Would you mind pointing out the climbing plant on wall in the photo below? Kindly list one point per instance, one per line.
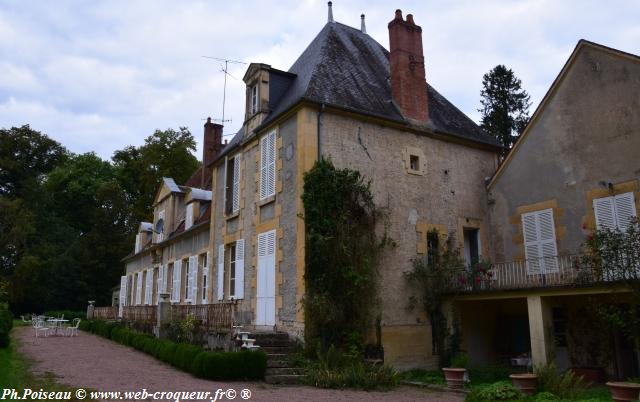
(343, 247)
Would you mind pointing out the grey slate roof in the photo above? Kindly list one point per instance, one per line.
(171, 184)
(346, 68)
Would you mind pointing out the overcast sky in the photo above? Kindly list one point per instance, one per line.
(101, 75)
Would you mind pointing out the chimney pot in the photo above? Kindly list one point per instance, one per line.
(398, 14)
(330, 16)
(363, 27)
(410, 19)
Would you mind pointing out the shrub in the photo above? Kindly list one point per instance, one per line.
(353, 375)
(565, 386)
(498, 391)
(185, 355)
(424, 376)
(6, 323)
(68, 314)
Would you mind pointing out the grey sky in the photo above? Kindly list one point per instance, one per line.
(101, 75)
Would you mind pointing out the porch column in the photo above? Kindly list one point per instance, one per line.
(163, 315)
(540, 321)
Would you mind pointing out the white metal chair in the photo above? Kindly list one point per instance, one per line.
(38, 326)
(73, 329)
(25, 320)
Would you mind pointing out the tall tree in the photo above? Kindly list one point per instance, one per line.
(139, 170)
(505, 106)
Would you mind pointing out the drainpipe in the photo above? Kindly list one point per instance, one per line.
(318, 128)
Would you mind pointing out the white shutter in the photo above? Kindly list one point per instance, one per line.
(148, 291)
(547, 238)
(226, 185)
(266, 287)
(272, 164)
(540, 242)
(123, 294)
(264, 146)
(177, 279)
(531, 244)
(221, 272)
(625, 210)
(160, 284)
(239, 288)
(188, 220)
(137, 250)
(604, 209)
(139, 288)
(236, 184)
(192, 286)
(268, 165)
(205, 279)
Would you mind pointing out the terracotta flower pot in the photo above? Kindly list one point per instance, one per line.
(454, 377)
(526, 383)
(624, 391)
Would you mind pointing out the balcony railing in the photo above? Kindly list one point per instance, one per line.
(143, 314)
(215, 317)
(562, 270)
(105, 313)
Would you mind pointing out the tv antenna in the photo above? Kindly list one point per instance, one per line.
(225, 70)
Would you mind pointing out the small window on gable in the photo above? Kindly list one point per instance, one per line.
(254, 99)
(413, 160)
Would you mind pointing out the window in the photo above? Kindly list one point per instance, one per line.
(540, 242)
(254, 99)
(615, 212)
(188, 219)
(471, 246)
(138, 239)
(268, 165)
(185, 280)
(232, 188)
(203, 262)
(159, 227)
(232, 271)
(432, 248)
(177, 280)
(414, 162)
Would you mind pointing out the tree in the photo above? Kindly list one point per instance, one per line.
(505, 106)
(139, 170)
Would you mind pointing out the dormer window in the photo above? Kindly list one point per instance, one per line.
(188, 219)
(159, 227)
(254, 99)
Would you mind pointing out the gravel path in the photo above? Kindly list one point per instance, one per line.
(92, 362)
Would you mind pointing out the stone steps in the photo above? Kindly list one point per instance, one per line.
(278, 347)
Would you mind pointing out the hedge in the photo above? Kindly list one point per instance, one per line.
(6, 323)
(243, 365)
(68, 314)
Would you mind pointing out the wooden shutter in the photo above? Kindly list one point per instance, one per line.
(139, 288)
(226, 185)
(540, 242)
(205, 279)
(221, 272)
(177, 279)
(188, 219)
(236, 184)
(137, 250)
(625, 208)
(239, 282)
(123, 294)
(604, 209)
(148, 291)
(265, 292)
(193, 279)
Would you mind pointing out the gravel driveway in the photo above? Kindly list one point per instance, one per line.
(89, 361)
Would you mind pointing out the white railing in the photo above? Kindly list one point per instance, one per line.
(548, 271)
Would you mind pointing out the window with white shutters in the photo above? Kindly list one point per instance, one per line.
(614, 213)
(160, 285)
(268, 165)
(220, 273)
(239, 280)
(188, 219)
(192, 287)
(177, 279)
(231, 273)
(540, 242)
(139, 288)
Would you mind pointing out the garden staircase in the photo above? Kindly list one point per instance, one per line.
(278, 347)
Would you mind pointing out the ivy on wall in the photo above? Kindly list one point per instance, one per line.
(343, 249)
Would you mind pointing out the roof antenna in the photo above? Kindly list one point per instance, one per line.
(330, 18)
(363, 27)
(225, 70)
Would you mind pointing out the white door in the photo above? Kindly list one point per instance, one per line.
(266, 292)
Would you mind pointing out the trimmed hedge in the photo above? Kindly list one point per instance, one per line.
(6, 323)
(243, 365)
(68, 314)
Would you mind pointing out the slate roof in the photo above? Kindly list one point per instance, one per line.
(346, 68)
(171, 184)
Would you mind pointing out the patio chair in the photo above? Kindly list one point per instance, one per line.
(25, 320)
(38, 326)
(73, 329)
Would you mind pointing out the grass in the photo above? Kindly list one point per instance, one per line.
(424, 376)
(15, 373)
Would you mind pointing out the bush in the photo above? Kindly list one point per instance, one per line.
(244, 365)
(424, 376)
(499, 391)
(68, 314)
(564, 386)
(6, 323)
(354, 375)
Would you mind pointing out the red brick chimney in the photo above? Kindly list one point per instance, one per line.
(211, 148)
(408, 83)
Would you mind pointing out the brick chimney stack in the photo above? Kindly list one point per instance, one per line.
(408, 82)
(211, 148)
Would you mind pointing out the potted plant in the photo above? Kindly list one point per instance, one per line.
(456, 373)
(624, 391)
(525, 382)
